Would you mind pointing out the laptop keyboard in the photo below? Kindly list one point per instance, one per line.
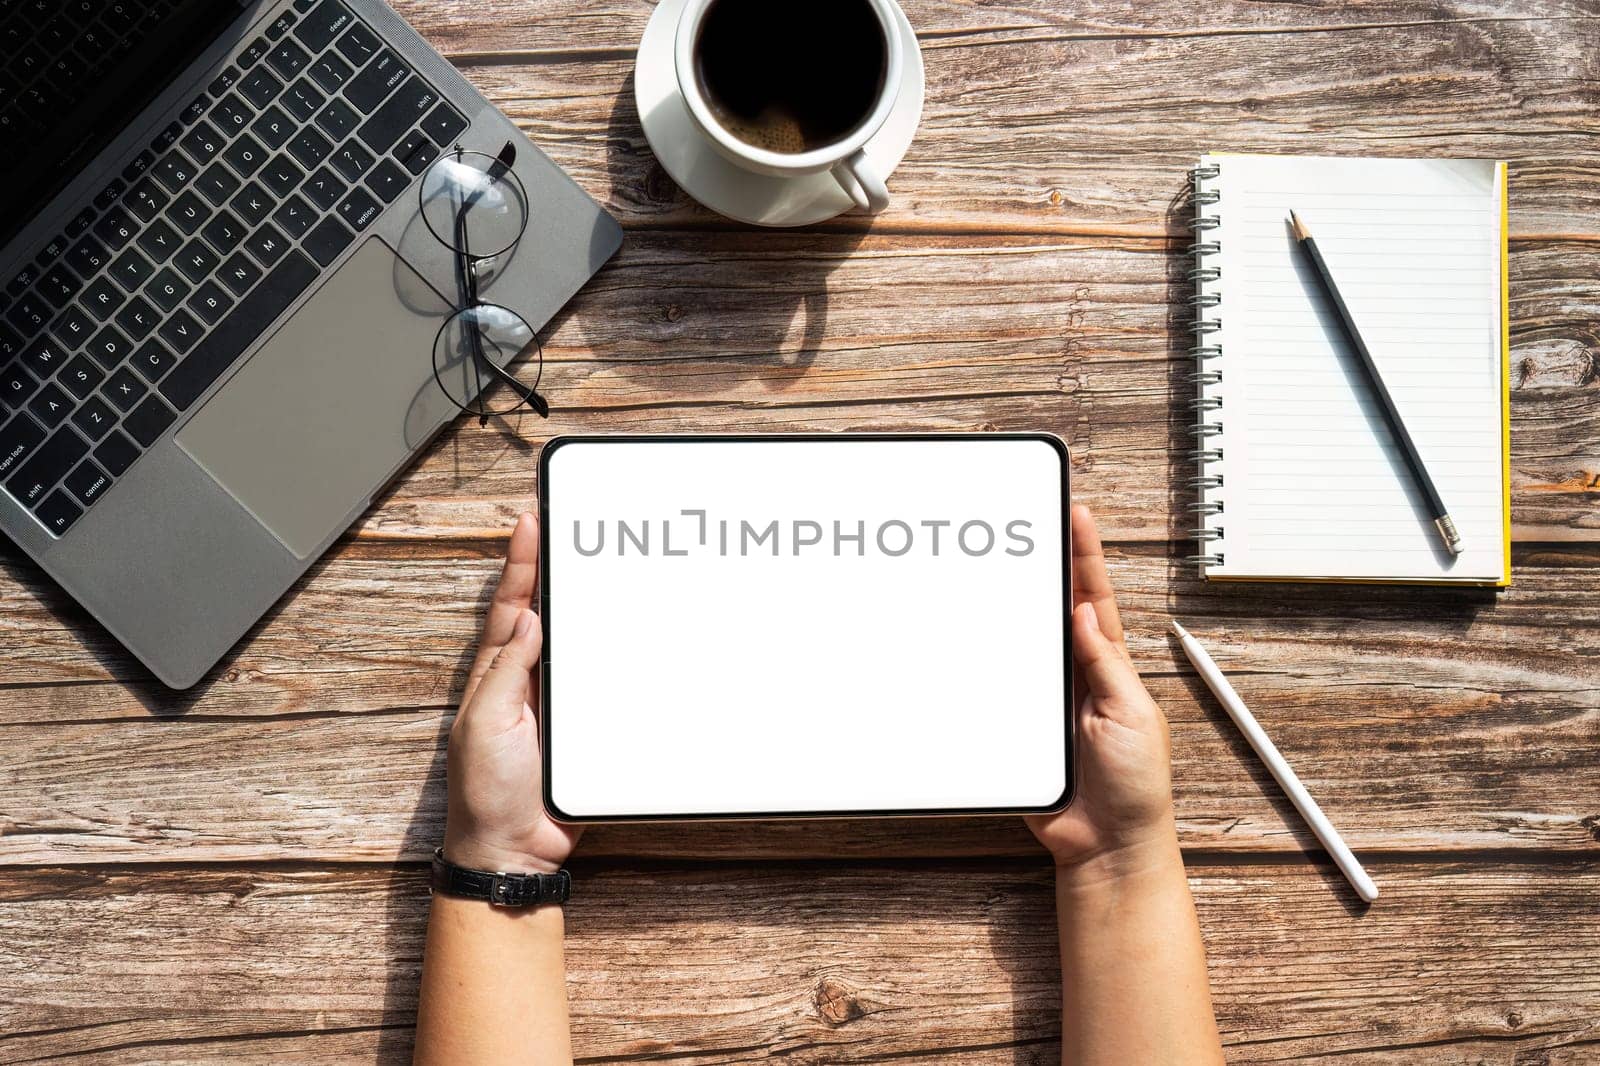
(158, 286)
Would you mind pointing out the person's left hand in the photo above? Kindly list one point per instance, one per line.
(497, 819)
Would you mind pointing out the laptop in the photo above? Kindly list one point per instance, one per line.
(218, 302)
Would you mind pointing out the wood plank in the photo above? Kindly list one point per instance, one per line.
(921, 962)
(1422, 719)
(1047, 118)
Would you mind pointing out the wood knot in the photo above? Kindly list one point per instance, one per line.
(1056, 198)
(837, 1003)
(1513, 1019)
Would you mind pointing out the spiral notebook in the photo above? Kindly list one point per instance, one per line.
(1298, 476)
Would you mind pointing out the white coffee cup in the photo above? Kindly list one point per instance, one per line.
(845, 159)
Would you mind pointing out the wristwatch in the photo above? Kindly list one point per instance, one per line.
(499, 889)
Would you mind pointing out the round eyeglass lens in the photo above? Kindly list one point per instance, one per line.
(475, 361)
(474, 203)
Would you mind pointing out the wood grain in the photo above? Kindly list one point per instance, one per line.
(922, 962)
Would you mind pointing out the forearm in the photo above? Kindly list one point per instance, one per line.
(1133, 967)
(494, 986)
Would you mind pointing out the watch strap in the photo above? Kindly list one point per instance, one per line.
(499, 889)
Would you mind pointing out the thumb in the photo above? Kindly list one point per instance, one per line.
(503, 693)
(1109, 675)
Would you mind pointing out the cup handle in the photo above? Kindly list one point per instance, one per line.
(857, 177)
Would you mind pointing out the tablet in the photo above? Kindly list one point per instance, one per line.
(794, 626)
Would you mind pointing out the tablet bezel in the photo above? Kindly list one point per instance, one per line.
(545, 709)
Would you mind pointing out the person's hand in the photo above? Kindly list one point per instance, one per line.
(1124, 802)
(497, 819)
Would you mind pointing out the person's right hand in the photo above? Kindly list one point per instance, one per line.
(1124, 801)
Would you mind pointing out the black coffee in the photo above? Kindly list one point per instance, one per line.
(791, 75)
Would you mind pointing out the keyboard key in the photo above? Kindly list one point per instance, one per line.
(239, 274)
(281, 175)
(88, 482)
(138, 318)
(81, 377)
(209, 302)
(88, 256)
(146, 199)
(116, 453)
(338, 119)
(137, 168)
(195, 110)
(52, 251)
(323, 25)
(124, 390)
(49, 463)
(159, 241)
(148, 421)
(45, 356)
(152, 361)
(81, 221)
(280, 26)
(231, 114)
(168, 290)
(58, 285)
(188, 212)
(109, 347)
(288, 59)
(324, 189)
(108, 195)
(359, 210)
(224, 232)
(327, 240)
(58, 512)
(203, 143)
(415, 151)
(374, 84)
(245, 155)
(238, 330)
(330, 72)
(260, 87)
(302, 100)
(351, 160)
(102, 298)
(224, 81)
(443, 124)
(398, 114)
(294, 217)
(167, 137)
(273, 127)
(174, 171)
(217, 184)
(131, 269)
(310, 147)
(72, 327)
(94, 419)
(181, 332)
(253, 52)
(115, 229)
(11, 343)
(16, 385)
(253, 204)
(197, 261)
(359, 44)
(18, 439)
(267, 244)
(28, 314)
(51, 406)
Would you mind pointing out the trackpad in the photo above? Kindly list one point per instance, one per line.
(331, 407)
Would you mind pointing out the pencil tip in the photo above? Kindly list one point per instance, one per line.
(1300, 231)
(1177, 630)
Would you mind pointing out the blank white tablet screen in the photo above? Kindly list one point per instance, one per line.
(838, 625)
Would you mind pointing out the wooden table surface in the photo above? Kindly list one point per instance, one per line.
(237, 873)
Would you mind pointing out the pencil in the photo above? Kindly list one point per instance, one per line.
(1391, 414)
(1287, 779)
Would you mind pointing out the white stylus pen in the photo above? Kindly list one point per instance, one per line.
(1286, 778)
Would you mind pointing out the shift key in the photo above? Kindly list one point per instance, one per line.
(402, 111)
(34, 478)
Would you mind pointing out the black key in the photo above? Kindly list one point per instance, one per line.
(359, 44)
(81, 220)
(338, 119)
(181, 331)
(167, 137)
(224, 232)
(318, 29)
(148, 421)
(188, 212)
(136, 169)
(88, 482)
(11, 344)
(210, 302)
(324, 189)
(359, 210)
(109, 347)
(267, 245)
(239, 274)
(18, 439)
(16, 385)
(52, 251)
(88, 256)
(352, 160)
(273, 127)
(302, 100)
(51, 406)
(310, 147)
(174, 171)
(236, 332)
(159, 241)
(45, 356)
(224, 81)
(398, 114)
(288, 59)
(23, 279)
(94, 419)
(102, 298)
(58, 285)
(168, 289)
(327, 240)
(81, 377)
(260, 87)
(217, 183)
(197, 261)
(253, 204)
(203, 143)
(152, 361)
(281, 175)
(294, 217)
(374, 84)
(124, 390)
(146, 199)
(28, 314)
(231, 114)
(245, 155)
(415, 152)
(108, 195)
(48, 465)
(115, 229)
(195, 110)
(73, 327)
(253, 52)
(138, 318)
(58, 512)
(443, 124)
(131, 269)
(116, 453)
(280, 26)
(330, 72)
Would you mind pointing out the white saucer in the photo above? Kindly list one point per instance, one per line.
(733, 191)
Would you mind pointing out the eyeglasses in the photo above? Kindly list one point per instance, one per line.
(475, 205)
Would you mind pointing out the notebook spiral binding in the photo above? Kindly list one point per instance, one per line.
(1205, 452)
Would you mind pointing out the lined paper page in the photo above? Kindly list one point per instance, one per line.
(1314, 486)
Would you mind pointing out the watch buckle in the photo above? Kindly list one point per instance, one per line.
(500, 890)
